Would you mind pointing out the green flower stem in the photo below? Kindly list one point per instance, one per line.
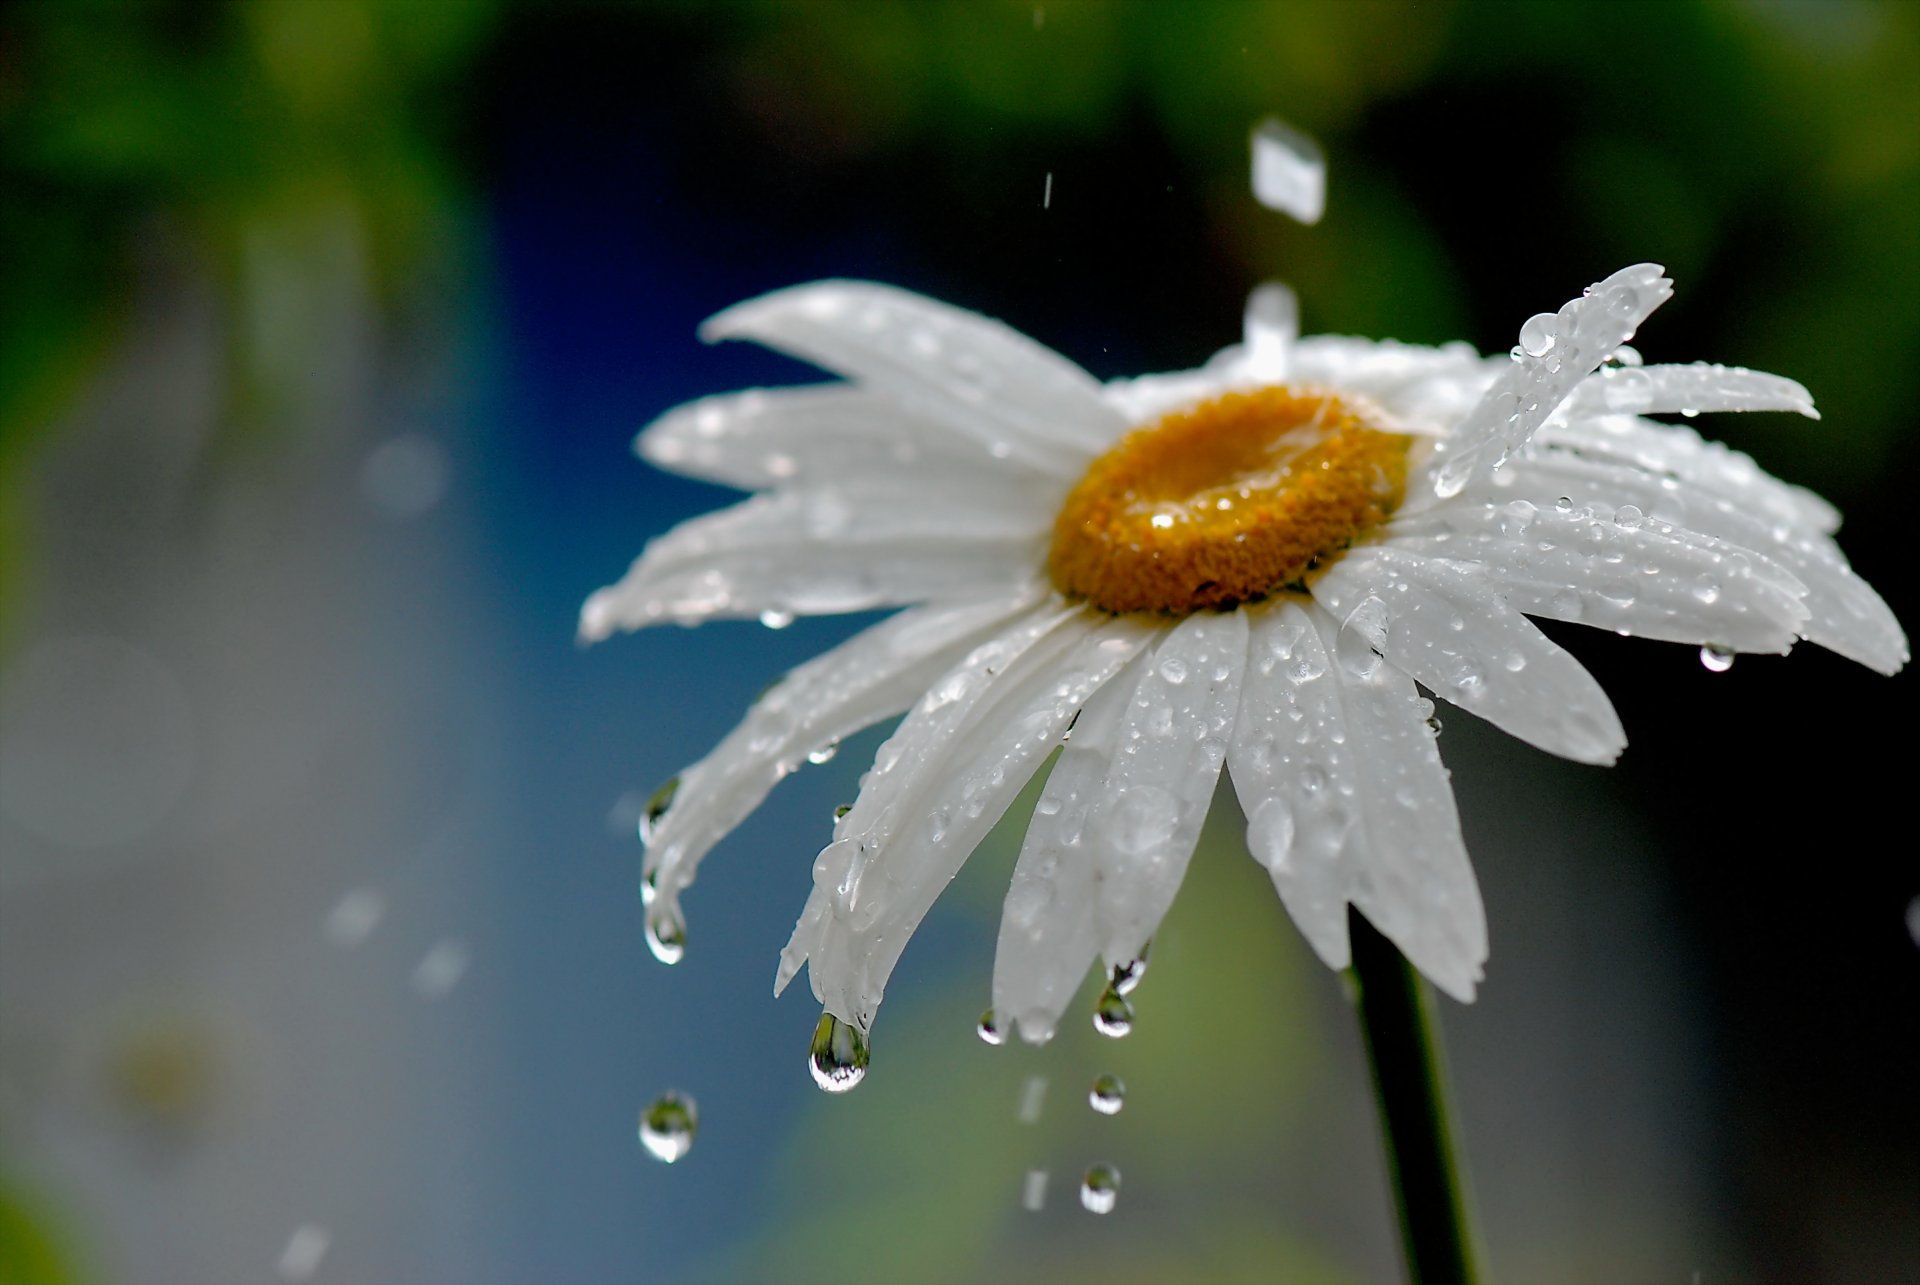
(1409, 1078)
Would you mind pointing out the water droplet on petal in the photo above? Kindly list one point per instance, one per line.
(657, 804)
(1100, 1189)
(824, 754)
(989, 1029)
(1108, 1095)
(841, 810)
(838, 1058)
(1126, 977)
(667, 1126)
(1174, 670)
(775, 618)
(1706, 589)
(666, 934)
(1113, 1015)
(1537, 334)
(1717, 658)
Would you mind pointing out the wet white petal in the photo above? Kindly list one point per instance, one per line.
(1336, 768)
(937, 786)
(976, 375)
(823, 433)
(819, 552)
(1644, 577)
(1172, 744)
(1699, 386)
(1672, 451)
(1449, 629)
(874, 675)
(1844, 614)
(1047, 940)
(1584, 333)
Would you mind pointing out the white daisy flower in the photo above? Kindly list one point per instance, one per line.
(1255, 566)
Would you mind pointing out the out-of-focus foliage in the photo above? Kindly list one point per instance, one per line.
(283, 140)
(28, 1253)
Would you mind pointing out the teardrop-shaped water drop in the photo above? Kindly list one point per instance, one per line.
(989, 1029)
(657, 804)
(839, 1055)
(668, 1125)
(1717, 658)
(1113, 1015)
(1108, 1095)
(666, 934)
(1127, 976)
(1100, 1189)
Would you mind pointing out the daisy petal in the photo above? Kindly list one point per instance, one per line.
(975, 375)
(874, 675)
(1047, 939)
(824, 433)
(1151, 806)
(1698, 386)
(1571, 346)
(818, 552)
(937, 786)
(1450, 629)
(1845, 614)
(1676, 453)
(1589, 567)
(1336, 768)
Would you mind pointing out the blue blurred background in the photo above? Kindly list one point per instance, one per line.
(324, 330)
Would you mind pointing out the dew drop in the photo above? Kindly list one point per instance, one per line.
(1108, 1095)
(657, 804)
(666, 934)
(1515, 661)
(1174, 670)
(1537, 334)
(1126, 977)
(1113, 1015)
(1100, 1189)
(824, 754)
(989, 1029)
(841, 810)
(775, 618)
(838, 1058)
(668, 1125)
(1706, 589)
(649, 884)
(1717, 658)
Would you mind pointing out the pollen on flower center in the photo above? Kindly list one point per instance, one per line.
(1225, 502)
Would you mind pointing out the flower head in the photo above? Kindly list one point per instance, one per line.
(1253, 567)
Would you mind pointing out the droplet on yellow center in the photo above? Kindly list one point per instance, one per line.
(1225, 502)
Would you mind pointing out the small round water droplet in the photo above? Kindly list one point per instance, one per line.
(1113, 1015)
(1515, 662)
(989, 1029)
(666, 935)
(774, 618)
(1564, 504)
(838, 1058)
(1108, 1095)
(1127, 976)
(649, 885)
(1537, 334)
(667, 1127)
(1629, 516)
(1434, 725)
(841, 810)
(1100, 1189)
(824, 754)
(657, 804)
(1717, 658)
(1174, 670)
(1706, 589)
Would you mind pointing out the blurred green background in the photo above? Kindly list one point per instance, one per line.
(323, 330)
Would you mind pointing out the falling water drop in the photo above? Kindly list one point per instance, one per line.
(667, 1126)
(1717, 657)
(1108, 1095)
(1289, 171)
(1100, 1189)
(839, 1055)
(1113, 1015)
(1033, 1192)
(989, 1029)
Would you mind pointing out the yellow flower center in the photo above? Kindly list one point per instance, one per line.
(1225, 502)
